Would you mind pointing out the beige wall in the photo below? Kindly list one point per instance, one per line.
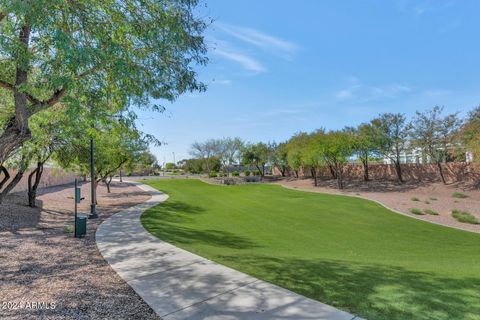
(50, 177)
(454, 171)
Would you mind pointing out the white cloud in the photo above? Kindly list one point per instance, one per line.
(223, 82)
(343, 94)
(418, 8)
(260, 39)
(246, 61)
(363, 93)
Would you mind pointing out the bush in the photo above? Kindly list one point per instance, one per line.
(212, 174)
(414, 199)
(252, 179)
(430, 211)
(68, 228)
(464, 216)
(416, 211)
(434, 199)
(459, 195)
(235, 174)
(247, 173)
(256, 173)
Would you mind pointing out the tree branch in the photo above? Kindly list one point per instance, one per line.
(11, 87)
(5, 178)
(57, 95)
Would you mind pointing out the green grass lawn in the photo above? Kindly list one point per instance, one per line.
(347, 252)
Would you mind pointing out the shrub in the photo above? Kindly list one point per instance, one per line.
(235, 174)
(414, 199)
(68, 228)
(252, 179)
(430, 211)
(247, 173)
(427, 202)
(459, 195)
(212, 174)
(464, 216)
(433, 199)
(416, 211)
(256, 173)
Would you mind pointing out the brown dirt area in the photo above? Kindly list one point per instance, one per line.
(40, 262)
(435, 196)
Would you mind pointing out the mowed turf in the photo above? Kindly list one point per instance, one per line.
(347, 252)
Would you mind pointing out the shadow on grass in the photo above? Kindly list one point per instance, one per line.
(166, 221)
(370, 291)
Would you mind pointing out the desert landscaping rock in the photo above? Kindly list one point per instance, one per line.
(42, 263)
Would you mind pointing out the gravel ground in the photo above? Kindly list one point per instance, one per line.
(42, 263)
(435, 196)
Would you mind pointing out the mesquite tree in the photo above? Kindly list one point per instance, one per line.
(117, 144)
(280, 157)
(313, 154)
(434, 134)
(336, 148)
(295, 148)
(56, 51)
(390, 133)
(258, 155)
(207, 151)
(50, 129)
(470, 135)
(364, 145)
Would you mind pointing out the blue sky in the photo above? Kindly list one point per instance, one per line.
(278, 67)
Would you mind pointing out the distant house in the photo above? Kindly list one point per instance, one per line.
(417, 156)
(414, 155)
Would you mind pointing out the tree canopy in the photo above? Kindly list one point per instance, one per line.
(59, 51)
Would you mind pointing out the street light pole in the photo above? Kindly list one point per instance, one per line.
(93, 206)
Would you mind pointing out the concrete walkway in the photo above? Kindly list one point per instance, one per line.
(180, 285)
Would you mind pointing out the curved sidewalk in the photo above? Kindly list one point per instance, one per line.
(180, 285)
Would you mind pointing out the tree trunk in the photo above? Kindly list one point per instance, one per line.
(398, 170)
(17, 130)
(296, 173)
(14, 135)
(262, 172)
(440, 170)
(107, 183)
(314, 176)
(120, 174)
(12, 184)
(5, 178)
(332, 171)
(339, 178)
(366, 176)
(32, 188)
(283, 169)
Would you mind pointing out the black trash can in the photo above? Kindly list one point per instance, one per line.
(80, 226)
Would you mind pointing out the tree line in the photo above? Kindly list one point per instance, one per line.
(437, 137)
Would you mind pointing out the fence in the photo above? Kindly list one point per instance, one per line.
(51, 177)
(453, 171)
